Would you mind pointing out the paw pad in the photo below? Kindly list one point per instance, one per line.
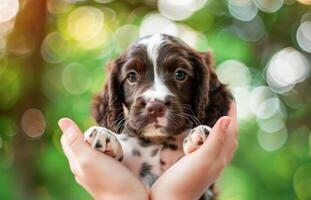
(196, 138)
(103, 140)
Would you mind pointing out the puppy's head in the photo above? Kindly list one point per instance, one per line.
(160, 87)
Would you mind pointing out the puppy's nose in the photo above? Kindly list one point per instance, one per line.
(155, 108)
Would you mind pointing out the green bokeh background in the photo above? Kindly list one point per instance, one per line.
(63, 84)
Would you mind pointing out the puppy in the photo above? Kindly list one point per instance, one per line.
(159, 103)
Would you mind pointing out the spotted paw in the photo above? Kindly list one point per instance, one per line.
(196, 138)
(104, 140)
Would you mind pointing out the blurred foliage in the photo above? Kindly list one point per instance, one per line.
(52, 58)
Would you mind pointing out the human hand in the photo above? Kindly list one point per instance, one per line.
(102, 176)
(192, 175)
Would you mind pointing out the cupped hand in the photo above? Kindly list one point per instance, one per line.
(192, 175)
(102, 176)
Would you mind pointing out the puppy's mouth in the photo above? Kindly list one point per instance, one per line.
(155, 127)
(158, 122)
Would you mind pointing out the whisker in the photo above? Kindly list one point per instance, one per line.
(121, 123)
(190, 117)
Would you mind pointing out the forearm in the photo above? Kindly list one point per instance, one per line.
(136, 195)
(134, 190)
(161, 191)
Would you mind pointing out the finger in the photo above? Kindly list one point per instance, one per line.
(216, 139)
(218, 166)
(234, 127)
(70, 130)
(229, 146)
(71, 159)
(73, 141)
(234, 148)
(78, 180)
(231, 141)
(220, 162)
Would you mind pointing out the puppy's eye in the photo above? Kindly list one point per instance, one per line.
(181, 75)
(132, 77)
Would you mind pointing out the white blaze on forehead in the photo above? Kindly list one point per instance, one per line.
(158, 90)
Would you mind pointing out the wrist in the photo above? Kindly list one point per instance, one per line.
(161, 191)
(138, 193)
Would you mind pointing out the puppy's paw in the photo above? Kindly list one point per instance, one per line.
(196, 138)
(104, 140)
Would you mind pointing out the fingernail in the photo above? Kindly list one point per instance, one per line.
(225, 123)
(64, 124)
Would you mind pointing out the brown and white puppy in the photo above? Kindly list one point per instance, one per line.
(158, 104)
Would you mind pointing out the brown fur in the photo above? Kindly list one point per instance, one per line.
(107, 106)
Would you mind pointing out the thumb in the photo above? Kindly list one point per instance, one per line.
(216, 138)
(70, 130)
(72, 138)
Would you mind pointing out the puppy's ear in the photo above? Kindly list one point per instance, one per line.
(107, 107)
(212, 99)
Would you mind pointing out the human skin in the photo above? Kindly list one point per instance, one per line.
(105, 178)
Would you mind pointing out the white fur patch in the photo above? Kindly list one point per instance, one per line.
(158, 90)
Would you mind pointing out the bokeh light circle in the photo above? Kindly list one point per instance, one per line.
(250, 31)
(244, 10)
(272, 141)
(101, 40)
(304, 36)
(271, 125)
(192, 38)
(8, 9)
(6, 27)
(179, 10)
(55, 48)
(75, 78)
(241, 73)
(33, 123)
(269, 6)
(58, 7)
(285, 69)
(156, 23)
(85, 23)
(125, 35)
(263, 102)
(103, 1)
(307, 2)
(268, 107)
(293, 99)
(242, 98)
